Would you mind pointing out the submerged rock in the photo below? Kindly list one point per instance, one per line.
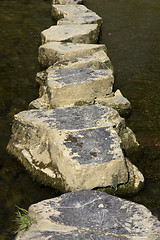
(52, 52)
(90, 215)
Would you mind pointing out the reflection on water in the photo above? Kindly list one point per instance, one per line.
(21, 24)
(131, 33)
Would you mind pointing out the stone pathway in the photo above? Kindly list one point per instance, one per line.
(79, 144)
(75, 138)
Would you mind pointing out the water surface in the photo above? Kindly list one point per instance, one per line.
(20, 25)
(131, 32)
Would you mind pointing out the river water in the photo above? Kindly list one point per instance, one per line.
(131, 33)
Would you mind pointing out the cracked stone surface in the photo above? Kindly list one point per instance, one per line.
(91, 215)
(78, 149)
(52, 52)
(87, 33)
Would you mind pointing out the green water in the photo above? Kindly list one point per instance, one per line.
(20, 25)
(131, 34)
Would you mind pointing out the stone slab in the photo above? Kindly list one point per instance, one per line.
(80, 20)
(72, 118)
(87, 33)
(91, 215)
(74, 150)
(77, 86)
(75, 13)
(98, 60)
(63, 2)
(52, 52)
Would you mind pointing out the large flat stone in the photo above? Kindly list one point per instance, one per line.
(91, 215)
(77, 86)
(87, 33)
(80, 20)
(52, 52)
(73, 148)
(77, 13)
(98, 60)
(67, 2)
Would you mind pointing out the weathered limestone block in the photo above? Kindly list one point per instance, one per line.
(117, 101)
(52, 52)
(93, 215)
(79, 20)
(98, 60)
(77, 86)
(74, 148)
(78, 14)
(87, 33)
(67, 2)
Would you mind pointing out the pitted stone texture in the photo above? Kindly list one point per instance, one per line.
(77, 86)
(77, 14)
(91, 215)
(73, 118)
(117, 101)
(74, 2)
(52, 52)
(71, 154)
(129, 142)
(87, 33)
(98, 60)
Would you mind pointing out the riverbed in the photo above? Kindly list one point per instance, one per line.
(131, 33)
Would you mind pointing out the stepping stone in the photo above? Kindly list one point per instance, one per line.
(77, 86)
(71, 148)
(79, 20)
(98, 60)
(67, 2)
(52, 52)
(92, 215)
(72, 12)
(87, 33)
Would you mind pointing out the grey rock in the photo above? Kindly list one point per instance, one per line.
(77, 86)
(80, 20)
(74, 148)
(129, 142)
(75, 14)
(98, 60)
(87, 33)
(90, 215)
(67, 2)
(52, 52)
(117, 101)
